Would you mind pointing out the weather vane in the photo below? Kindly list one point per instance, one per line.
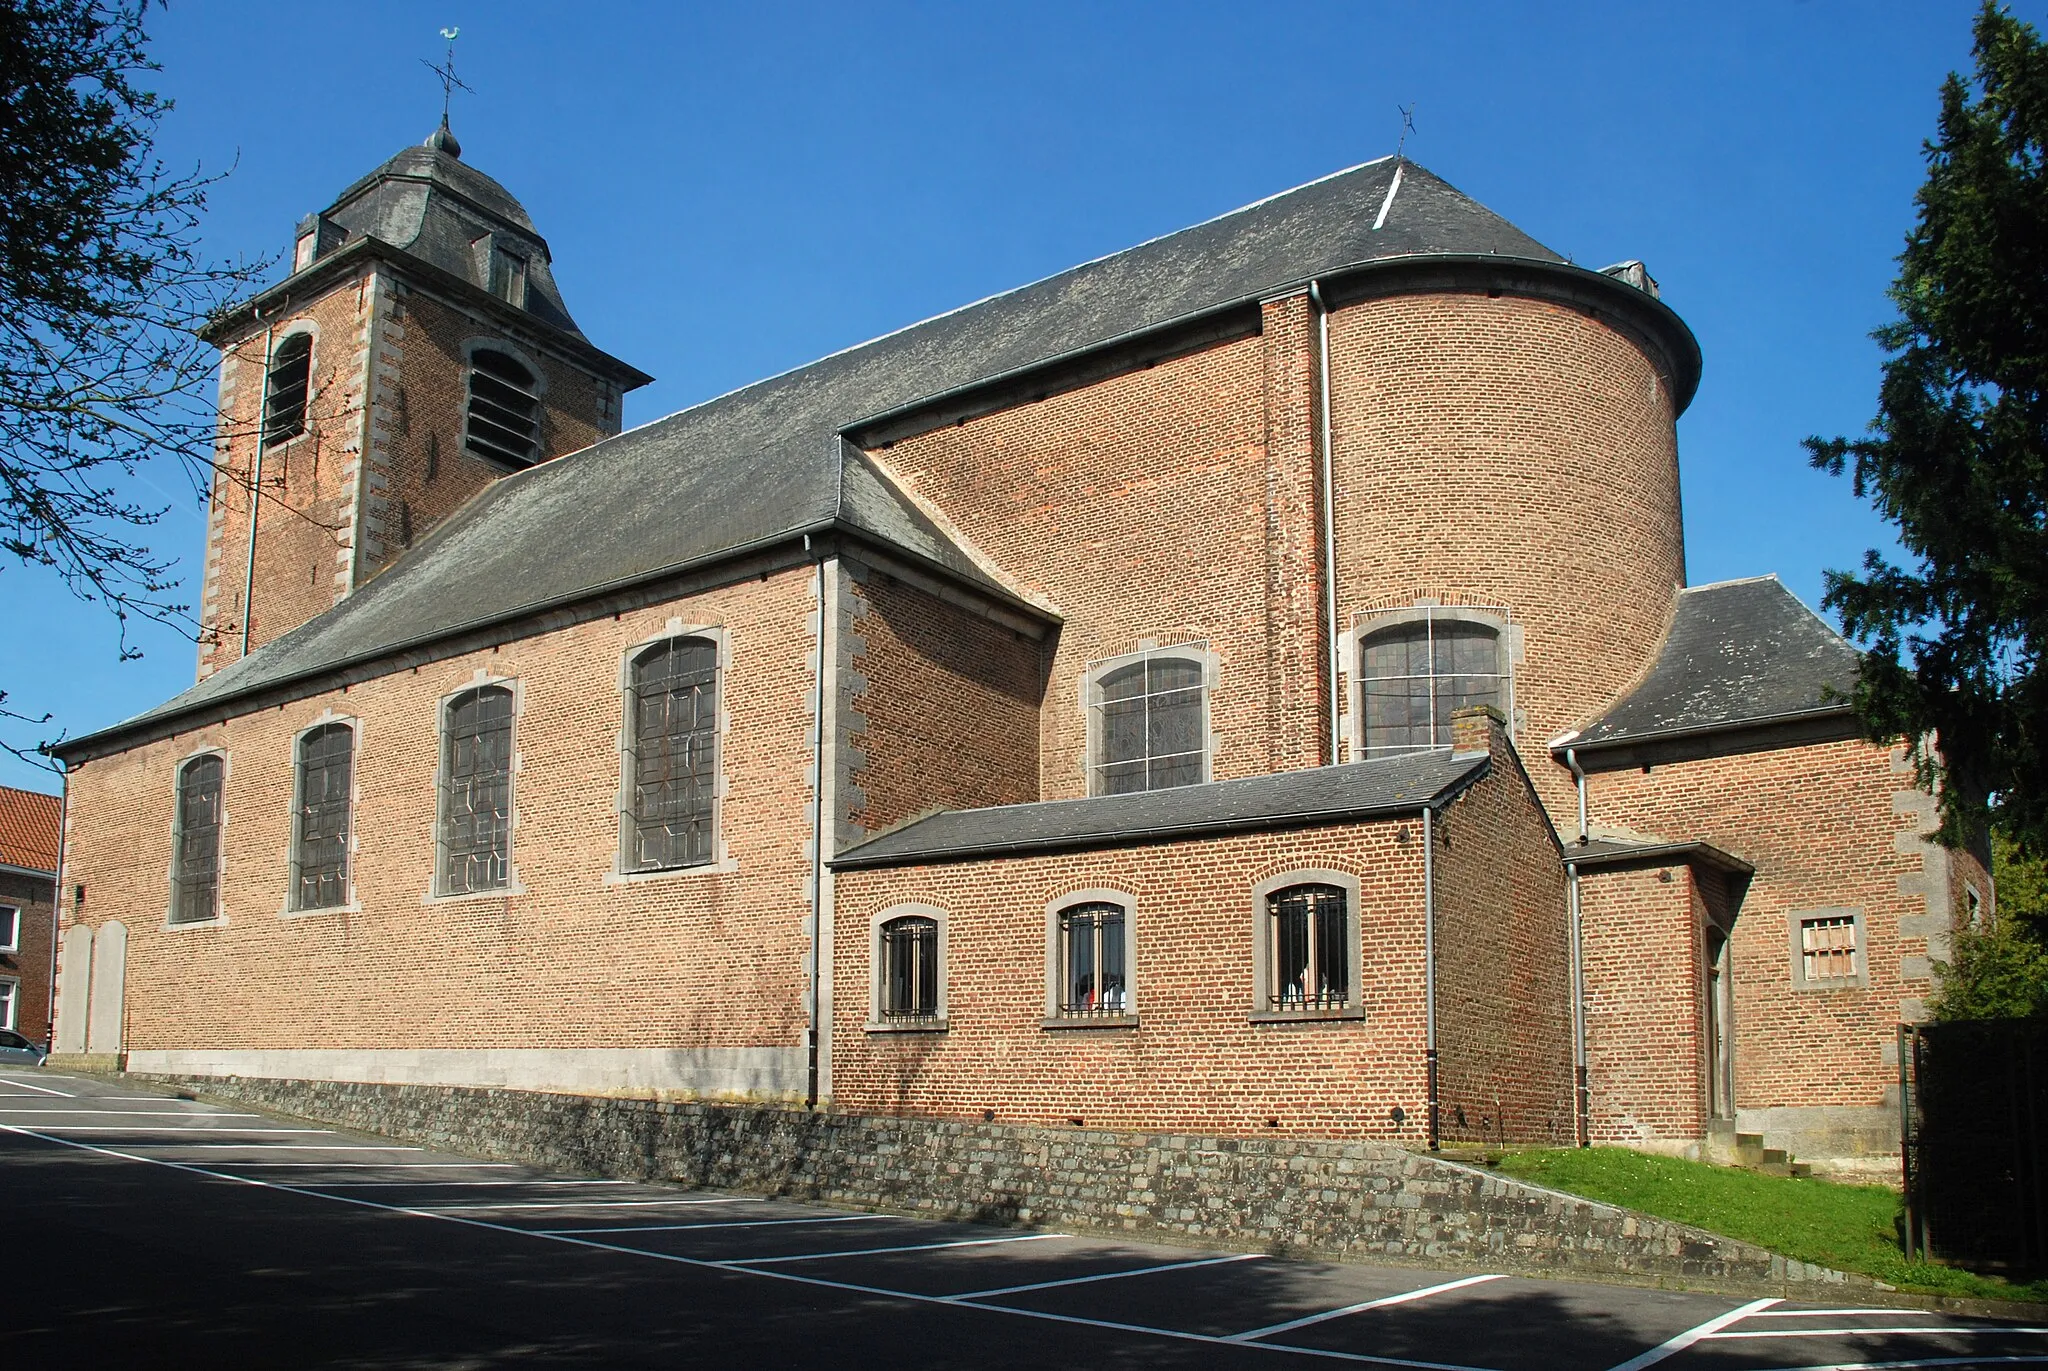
(450, 82)
(1407, 120)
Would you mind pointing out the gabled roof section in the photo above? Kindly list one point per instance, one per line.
(1598, 853)
(29, 822)
(1741, 656)
(1384, 787)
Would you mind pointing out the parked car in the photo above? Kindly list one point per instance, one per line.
(16, 1050)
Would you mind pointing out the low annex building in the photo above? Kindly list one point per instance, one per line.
(1246, 684)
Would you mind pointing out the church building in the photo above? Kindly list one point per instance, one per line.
(1247, 684)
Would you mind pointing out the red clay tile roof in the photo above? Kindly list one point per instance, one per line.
(28, 829)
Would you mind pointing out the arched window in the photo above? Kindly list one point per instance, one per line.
(1416, 673)
(672, 755)
(475, 829)
(909, 966)
(1151, 727)
(320, 819)
(285, 390)
(504, 409)
(1308, 946)
(1091, 953)
(195, 841)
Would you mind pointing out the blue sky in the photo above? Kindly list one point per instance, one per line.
(731, 191)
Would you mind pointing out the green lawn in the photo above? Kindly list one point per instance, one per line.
(1848, 1227)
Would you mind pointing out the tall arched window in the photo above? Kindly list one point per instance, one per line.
(195, 841)
(672, 755)
(286, 388)
(1150, 725)
(1416, 673)
(1308, 948)
(475, 829)
(320, 820)
(504, 409)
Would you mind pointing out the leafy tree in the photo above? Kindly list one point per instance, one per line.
(102, 291)
(1957, 458)
(2001, 971)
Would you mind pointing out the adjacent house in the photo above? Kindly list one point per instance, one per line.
(29, 824)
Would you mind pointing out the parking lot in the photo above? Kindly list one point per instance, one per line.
(146, 1226)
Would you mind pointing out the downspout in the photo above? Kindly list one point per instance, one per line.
(1429, 966)
(813, 1035)
(1582, 1093)
(1328, 483)
(56, 916)
(256, 482)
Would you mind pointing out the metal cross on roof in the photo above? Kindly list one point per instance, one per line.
(450, 82)
(1407, 123)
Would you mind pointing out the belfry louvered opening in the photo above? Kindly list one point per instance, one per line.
(475, 829)
(326, 777)
(504, 409)
(195, 842)
(672, 756)
(286, 388)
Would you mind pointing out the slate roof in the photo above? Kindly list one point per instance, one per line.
(1600, 852)
(764, 463)
(1326, 794)
(29, 822)
(1739, 654)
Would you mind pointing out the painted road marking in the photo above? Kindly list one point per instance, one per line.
(383, 1166)
(39, 1089)
(136, 1114)
(267, 1147)
(1672, 1346)
(420, 1185)
(585, 1204)
(1406, 1297)
(171, 1128)
(1899, 1365)
(883, 1251)
(1107, 1276)
(1956, 1330)
(730, 1223)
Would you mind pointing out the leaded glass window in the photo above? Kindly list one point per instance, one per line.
(910, 970)
(285, 392)
(326, 767)
(673, 762)
(1308, 950)
(476, 792)
(1093, 972)
(504, 409)
(1418, 673)
(1151, 727)
(195, 841)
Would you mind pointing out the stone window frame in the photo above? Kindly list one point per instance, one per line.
(11, 914)
(909, 909)
(1124, 900)
(470, 348)
(10, 1002)
(1195, 650)
(1261, 1010)
(513, 885)
(1366, 623)
(351, 903)
(720, 636)
(220, 897)
(1795, 922)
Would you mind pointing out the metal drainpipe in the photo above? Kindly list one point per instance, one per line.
(817, 850)
(1429, 965)
(1582, 1102)
(256, 482)
(1329, 495)
(56, 915)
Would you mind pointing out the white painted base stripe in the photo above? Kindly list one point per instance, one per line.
(1108, 1276)
(1901, 1365)
(1952, 1330)
(908, 1297)
(1833, 1313)
(1405, 1297)
(39, 1089)
(882, 1251)
(1671, 1347)
(725, 1223)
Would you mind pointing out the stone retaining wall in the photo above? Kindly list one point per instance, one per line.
(1338, 1199)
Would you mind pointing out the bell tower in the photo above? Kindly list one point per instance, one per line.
(418, 351)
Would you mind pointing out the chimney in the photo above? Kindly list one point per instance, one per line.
(1475, 727)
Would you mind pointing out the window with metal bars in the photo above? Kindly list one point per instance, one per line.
(1093, 962)
(504, 409)
(1151, 726)
(672, 756)
(1308, 948)
(476, 792)
(1827, 948)
(910, 970)
(289, 382)
(320, 826)
(1415, 674)
(195, 841)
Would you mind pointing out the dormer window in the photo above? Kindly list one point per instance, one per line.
(291, 376)
(504, 409)
(508, 277)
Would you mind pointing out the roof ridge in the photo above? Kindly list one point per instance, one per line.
(1733, 581)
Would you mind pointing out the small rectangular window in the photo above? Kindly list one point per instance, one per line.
(10, 1000)
(1309, 949)
(910, 970)
(1828, 949)
(10, 928)
(1093, 976)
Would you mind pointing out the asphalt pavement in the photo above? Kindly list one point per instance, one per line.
(145, 1228)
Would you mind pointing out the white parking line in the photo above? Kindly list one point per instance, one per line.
(583, 1204)
(39, 1089)
(1900, 1365)
(1950, 1330)
(880, 1251)
(373, 1166)
(1107, 1276)
(1832, 1313)
(170, 1128)
(134, 1114)
(416, 1185)
(270, 1147)
(1405, 1297)
(1672, 1346)
(729, 1223)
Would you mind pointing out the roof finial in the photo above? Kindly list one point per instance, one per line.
(1407, 112)
(443, 139)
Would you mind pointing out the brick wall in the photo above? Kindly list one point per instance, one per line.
(30, 963)
(1646, 1053)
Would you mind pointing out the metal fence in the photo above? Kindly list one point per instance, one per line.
(1973, 1114)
